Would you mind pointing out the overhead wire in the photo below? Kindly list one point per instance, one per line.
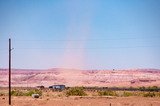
(79, 40)
(93, 39)
(89, 48)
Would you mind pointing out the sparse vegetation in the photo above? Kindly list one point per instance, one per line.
(76, 91)
(17, 93)
(82, 91)
(127, 94)
(36, 91)
(150, 88)
(2, 94)
(149, 94)
(25, 93)
(107, 93)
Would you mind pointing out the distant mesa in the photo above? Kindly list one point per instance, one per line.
(75, 77)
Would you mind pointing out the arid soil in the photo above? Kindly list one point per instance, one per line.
(81, 101)
(72, 77)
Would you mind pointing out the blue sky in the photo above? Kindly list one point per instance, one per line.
(83, 34)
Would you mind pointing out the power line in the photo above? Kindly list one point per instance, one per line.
(93, 39)
(79, 48)
(91, 47)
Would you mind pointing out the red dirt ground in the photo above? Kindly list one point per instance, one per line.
(81, 101)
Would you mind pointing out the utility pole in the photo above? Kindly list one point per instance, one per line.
(10, 49)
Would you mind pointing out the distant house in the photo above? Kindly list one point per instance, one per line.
(57, 87)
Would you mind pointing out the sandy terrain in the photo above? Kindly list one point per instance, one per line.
(81, 101)
(27, 78)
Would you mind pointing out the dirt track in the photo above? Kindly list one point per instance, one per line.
(81, 101)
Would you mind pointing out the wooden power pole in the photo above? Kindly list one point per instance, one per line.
(10, 49)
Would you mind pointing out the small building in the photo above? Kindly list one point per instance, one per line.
(57, 87)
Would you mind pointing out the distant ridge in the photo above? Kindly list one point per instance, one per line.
(75, 77)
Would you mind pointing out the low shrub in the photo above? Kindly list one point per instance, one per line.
(153, 88)
(76, 91)
(127, 94)
(158, 94)
(149, 94)
(2, 94)
(17, 93)
(25, 93)
(150, 88)
(107, 93)
(36, 91)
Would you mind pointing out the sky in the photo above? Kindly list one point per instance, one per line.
(81, 34)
